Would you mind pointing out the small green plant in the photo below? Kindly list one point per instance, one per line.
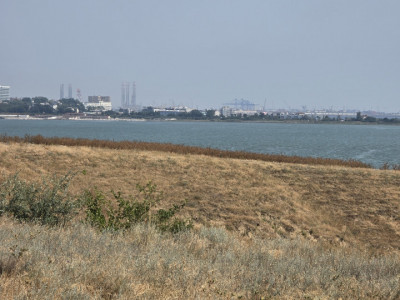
(123, 213)
(47, 203)
(94, 202)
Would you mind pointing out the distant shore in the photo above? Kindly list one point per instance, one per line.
(72, 117)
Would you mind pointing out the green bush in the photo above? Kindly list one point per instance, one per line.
(47, 203)
(123, 213)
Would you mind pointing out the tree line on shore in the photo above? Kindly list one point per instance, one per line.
(44, 106)
(41, 105)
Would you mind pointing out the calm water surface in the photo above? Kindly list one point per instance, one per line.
(372, 144)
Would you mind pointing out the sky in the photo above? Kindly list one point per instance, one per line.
(342, 54)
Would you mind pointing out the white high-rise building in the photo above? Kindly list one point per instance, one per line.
(101, 103)
(4, 93)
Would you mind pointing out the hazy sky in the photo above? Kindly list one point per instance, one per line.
(341, 53)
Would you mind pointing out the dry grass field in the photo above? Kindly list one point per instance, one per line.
(292, 229)
(78, 262)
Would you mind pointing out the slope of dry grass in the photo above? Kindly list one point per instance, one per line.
(335, 204)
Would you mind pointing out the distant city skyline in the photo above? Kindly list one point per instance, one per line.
(287, 54)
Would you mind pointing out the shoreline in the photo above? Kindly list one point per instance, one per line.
(63, 118)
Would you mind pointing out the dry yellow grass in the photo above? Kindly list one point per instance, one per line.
(182, 149)
(337, 205)
(79, 262)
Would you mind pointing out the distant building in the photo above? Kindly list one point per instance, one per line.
(4, 93)
(97, 99)
(227, 111)
(99, 103)
(170, 111)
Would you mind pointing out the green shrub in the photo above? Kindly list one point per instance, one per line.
(123, 213)
(47, 203)
(94, 202)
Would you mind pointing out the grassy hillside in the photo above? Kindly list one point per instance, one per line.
(336, 217)
(329, 203)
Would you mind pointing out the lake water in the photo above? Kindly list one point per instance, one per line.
(372, 144)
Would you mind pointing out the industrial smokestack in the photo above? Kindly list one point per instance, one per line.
(123, 95)
(133, 100)
(70, 91)
(62, 91)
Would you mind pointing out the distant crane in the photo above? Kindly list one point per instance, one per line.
(286, 104)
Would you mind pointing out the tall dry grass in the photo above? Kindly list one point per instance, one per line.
(78, 262)
(181, 149)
